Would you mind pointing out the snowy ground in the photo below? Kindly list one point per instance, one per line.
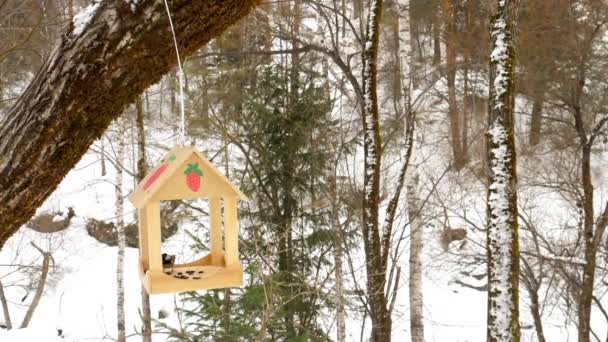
(81, 297)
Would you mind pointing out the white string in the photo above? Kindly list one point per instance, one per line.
(180, 78)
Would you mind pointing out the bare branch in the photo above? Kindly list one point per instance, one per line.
(41, 282)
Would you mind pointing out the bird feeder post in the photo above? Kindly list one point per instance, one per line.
(215, 221)
(232, 230)
(153, 236)
(143, 238)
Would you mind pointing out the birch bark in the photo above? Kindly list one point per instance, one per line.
(376, 273)
(502, 231)
(416, 247)
(120, 232)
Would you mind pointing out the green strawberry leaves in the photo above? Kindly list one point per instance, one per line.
(193, 168)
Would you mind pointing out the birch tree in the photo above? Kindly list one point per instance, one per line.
(140, 175)
(107, 56)
(372, 145)
(377, 239)
(502, 231)
(416, 246)
(120, 233)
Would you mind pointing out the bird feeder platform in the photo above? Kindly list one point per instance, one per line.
(191, 277)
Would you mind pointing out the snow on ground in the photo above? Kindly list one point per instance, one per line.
(81, 297)
(30, 335)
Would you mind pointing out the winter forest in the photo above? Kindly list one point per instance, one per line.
(319, 170)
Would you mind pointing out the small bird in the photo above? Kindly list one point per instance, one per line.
(168, 261)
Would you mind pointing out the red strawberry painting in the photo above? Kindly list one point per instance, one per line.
(157, 173)
(193, 177)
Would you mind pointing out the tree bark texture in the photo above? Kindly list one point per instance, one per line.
(7, 315)
(593, 230)
(535, 311)
(146, 314)
(532, 283)
(502, 232)
(537, 115)
(416, 246)
(338, 260)
(586, 290)
(453, 114)
(44, 272)
(93, 73)
(593, 233)
(120, 232)
(376, 274)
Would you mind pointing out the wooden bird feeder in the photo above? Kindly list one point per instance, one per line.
(186, 174)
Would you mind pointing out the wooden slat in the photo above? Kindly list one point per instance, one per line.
(143, 238)
(152, 213)
(215, 220)
(231, 231)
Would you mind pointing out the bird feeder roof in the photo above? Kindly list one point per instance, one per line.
(183, 173)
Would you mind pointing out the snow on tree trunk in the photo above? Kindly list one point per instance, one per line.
(502, 232)
(416, 246)
(376, 274)
(108, 56)
(120, 231)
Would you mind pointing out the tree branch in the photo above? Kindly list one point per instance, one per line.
(91, 76)
(46, 257)
(392, 205)
(7, 316)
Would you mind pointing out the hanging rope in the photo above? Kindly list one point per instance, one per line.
(180, 79)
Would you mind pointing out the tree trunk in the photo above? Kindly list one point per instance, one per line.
(532, 285)
(376, 273)
(146, 314)
(535, 310)
(502, 232)
(96, 70)
(415, 54)
(120, 232)
(338, 259)
(46, 259)
(226, 321)
(5, 311)
(288, 202)
(593, 230)
(416, 246)
(141, 140)
(392, 20)
(450, 55)
(466, 110)
(536, 120)
(436, 36)
(585, 299)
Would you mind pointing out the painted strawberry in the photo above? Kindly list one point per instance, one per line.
(193, 177)
(157, 173)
